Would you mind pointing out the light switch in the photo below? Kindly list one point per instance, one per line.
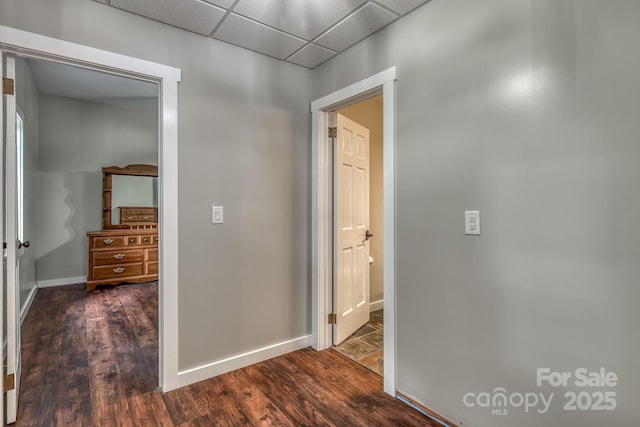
(217, 214)
(472, 223)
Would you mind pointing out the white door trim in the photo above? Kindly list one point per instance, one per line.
(322, 213)
(38, 46)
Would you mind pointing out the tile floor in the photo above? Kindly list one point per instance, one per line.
(365, 345)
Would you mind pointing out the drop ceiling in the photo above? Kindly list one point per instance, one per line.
(304, 32)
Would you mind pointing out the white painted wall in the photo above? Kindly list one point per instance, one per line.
(369, 114)
(244, 127)
(77, 139)
(526, 110)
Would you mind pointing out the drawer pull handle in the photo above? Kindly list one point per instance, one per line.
(108, 241)
(119, 256)
(118, 270)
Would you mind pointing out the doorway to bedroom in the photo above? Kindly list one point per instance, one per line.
(103, 343)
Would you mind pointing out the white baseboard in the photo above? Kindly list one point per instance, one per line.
(65, 281)
(209, 370)
(376, 305)
(27, 305)
(428, 410)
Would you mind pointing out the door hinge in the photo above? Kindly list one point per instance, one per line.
(333, 319)
(7, 86)
(333, 132)
(9, 382)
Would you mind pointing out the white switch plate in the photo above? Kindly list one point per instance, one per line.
(472, 223)
(217, 215)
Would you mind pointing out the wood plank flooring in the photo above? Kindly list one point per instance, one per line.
(91, 360)
(85, 354)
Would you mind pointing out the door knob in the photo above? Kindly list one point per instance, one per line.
(26, 244)
(367, 235)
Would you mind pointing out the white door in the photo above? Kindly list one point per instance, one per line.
(351, 219)
(14, 246)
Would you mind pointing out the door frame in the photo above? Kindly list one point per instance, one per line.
(322, 212)
(33, 45)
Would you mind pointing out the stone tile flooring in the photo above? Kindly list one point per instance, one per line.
(365, 345)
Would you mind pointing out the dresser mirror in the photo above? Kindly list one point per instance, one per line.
(130, 197)
(135, 194)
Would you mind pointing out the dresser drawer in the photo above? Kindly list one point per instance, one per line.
(115, 271)
(138, 211)
(152, 254)
(132, 240)
(147, 240)
(130, 215)
(152, 267)
(144, 239)
(118, 257)
(103, 242)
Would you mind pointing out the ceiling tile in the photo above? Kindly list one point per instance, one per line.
(255, 36)
(192, 15)
(222, 3)
(303, 18)
(356, 27)
(401, 6)
(311, 55)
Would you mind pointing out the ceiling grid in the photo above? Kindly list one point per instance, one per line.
(303, 32)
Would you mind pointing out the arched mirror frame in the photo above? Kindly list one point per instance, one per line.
(107, 186)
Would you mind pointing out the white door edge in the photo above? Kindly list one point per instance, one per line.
(34, 45)
(322, 211)
(12, 314)
(2, 236)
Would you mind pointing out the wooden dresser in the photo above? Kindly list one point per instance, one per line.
(122, 255)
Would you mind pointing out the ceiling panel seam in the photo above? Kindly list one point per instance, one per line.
(229, 11)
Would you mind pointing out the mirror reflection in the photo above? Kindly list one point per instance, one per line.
(130, 192)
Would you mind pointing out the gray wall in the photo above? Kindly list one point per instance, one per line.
(243, 124)
(523, 109)
(77, 139)
(526, 110)
(369, 114)
(27, 101)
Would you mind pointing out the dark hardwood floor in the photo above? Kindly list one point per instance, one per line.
(91, 360)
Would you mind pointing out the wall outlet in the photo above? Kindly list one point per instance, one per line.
(472, 223)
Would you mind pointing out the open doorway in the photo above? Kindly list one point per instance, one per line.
(365, 345)
(26, 44)
(76, 122)
(322, 212)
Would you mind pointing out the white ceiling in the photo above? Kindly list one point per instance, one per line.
(304, 32)
(57, 79)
